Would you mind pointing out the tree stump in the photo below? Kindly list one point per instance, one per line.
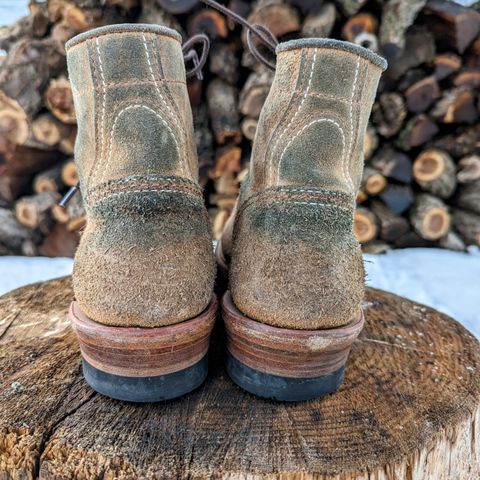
(408, 408)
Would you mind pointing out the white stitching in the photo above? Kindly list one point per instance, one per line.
(288, 190)
(322, 205)
(146, 191)
(305, 127)
(346, 169)
(102, 122)
(298, 109)
(115, 124)
(156, 83)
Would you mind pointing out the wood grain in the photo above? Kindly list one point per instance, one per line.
(408, 408)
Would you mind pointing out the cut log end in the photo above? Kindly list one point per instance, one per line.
(435, 223)
(69, 173)
(416, 363)
(430, 217)
(365, 225)
(434, 171)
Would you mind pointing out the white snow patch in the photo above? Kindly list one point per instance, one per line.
(445, 280)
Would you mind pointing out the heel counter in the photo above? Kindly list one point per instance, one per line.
(145, 258)
(296, 262)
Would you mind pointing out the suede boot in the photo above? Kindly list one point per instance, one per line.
(144, 272)
(296, 269)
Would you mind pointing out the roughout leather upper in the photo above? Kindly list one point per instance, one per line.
(145, 256)
(294, 259)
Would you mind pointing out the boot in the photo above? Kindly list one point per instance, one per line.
(144, 270)
(296, 269)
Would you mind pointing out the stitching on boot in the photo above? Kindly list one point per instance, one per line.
(129, 83)
(304, 190)
(88, 175)
(102, 126)
(346, 173)
(112, 131)
(330, 97)
(157, 87)
(150, 190)
(166, 85)
(294, 116)
(145, 184)
(366, 68)
(319, 120)
(342, 201)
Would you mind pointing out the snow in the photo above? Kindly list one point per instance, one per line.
(445, 280)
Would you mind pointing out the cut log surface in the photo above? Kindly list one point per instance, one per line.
(408, 408)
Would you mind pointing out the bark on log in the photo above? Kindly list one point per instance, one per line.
(418, 131)
(388, 114)
(468, 196)
(27, 69)
(370, 142)
(393, 164)
(463, 142)
(397, 16)
(223, 106)
(373, 182)
(397, 197)
(392, 226)
(351, 7)
(33, 211)
(60, 242)
(414, 375)
(468, 225)
(453, 241)
(446, 64)
(255, 91)
(452, 24)
(456, 106)
(59, 100)
(419, 48)
(280, 18)
(19, 160)
(469, 169)
(429, 217)
(249, 128)
(422, 94)
(434, 171)
(224, 63)
(13, 235)
(49, 180)
(320, 21)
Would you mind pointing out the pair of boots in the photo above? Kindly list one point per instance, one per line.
(144, 271)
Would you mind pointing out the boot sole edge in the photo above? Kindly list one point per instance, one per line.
(146, 389)
(169, 360)
(282, 363)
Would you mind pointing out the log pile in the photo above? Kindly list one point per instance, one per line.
(421, 185)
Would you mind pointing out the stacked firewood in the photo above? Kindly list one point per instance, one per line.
(421, 184)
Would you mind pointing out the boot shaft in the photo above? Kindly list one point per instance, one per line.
(295, 262)
(133, 112)
(145, 255)
(313, 122)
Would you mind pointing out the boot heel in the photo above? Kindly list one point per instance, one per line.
(285, 364)
(144, 364)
